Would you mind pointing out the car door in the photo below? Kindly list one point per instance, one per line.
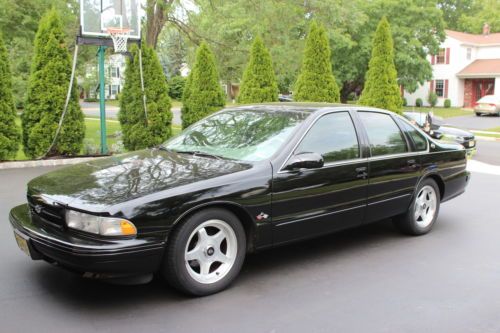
(393, 168)
(310, 202)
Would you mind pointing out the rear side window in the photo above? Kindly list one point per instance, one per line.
(418, 138)
(333, 136)
(384, 134)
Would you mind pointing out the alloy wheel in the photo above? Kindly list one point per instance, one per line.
(425, 206)
(211, 251)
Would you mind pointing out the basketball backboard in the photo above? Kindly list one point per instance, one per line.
(100, 16)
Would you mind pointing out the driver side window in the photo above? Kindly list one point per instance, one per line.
(333, 136)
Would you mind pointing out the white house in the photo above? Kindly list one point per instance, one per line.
(466, 68)
(114, 66)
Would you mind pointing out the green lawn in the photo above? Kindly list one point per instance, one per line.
(441, 112)
(494, 129)
(493, 135)
(93, 135)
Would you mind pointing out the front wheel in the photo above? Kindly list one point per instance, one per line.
(205, 254)
(423, 211)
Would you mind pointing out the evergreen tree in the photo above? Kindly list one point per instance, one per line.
(316, 82)
(9, 132)
(259, 82)
(202, 93)
(139, 133)
(47, 90)
(381, 88)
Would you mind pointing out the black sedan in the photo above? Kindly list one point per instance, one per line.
(438, 130)
(241, 180)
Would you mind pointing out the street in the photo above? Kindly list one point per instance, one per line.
(473, 122)
(369, 279)
(92, 110)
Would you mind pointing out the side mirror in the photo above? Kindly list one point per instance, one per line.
(305, 161)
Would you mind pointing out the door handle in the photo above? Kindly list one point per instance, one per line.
(412, 163)
(361, 172)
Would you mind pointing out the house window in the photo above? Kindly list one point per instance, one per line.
(439, 89)
(441, 56)
(115, 71)
(469, 53)
(114, 89)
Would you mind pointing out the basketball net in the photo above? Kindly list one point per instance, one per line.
(120, 38)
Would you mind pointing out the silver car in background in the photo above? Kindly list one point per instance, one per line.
(489, 104)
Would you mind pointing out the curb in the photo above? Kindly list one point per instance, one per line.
(44, 163)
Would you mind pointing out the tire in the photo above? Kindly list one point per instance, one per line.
(478, 114)
(423, 210)
(205, 252)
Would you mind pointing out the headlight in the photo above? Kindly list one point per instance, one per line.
(104, 226)
(459, 139)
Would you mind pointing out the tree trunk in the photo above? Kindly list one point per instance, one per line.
(156, 16)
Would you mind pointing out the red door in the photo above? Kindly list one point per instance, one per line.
(482, 87)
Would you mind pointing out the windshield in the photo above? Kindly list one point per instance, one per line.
(246, 135)
(489, 99)
(418, 118)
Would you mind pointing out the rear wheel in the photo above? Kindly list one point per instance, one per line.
(423, 211)
(205, 254)
(478, 114)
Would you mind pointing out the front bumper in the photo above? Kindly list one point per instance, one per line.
(93, 257)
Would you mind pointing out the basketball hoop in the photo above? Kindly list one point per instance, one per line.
(120, 38)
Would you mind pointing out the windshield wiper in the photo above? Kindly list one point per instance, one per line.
(199, 153)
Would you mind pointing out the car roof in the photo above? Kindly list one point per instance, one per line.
(301, 107)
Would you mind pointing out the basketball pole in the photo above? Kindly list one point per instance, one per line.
(102, 99)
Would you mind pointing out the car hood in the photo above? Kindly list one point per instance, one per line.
(453, 131)
(108, 181)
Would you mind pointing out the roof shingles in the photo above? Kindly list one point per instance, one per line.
(474, 39)
(481, 68)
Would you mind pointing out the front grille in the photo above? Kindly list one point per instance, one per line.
(47, 213)
(467, 138)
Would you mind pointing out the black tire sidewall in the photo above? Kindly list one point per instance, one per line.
(175, 253)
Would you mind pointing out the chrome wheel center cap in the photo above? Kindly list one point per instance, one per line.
(210, 251)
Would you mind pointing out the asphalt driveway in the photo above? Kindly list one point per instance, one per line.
(369, 279)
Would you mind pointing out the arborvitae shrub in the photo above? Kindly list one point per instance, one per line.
(381, 89)
(139, 133)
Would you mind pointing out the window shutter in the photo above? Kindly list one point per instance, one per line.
(118, 72)
(447, 55)
(432, 85)
(445, 88)
(433, 59)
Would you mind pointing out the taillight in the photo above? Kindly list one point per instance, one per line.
(492, 105)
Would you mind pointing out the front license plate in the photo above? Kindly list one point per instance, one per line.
(472, 144)
(23, 244)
